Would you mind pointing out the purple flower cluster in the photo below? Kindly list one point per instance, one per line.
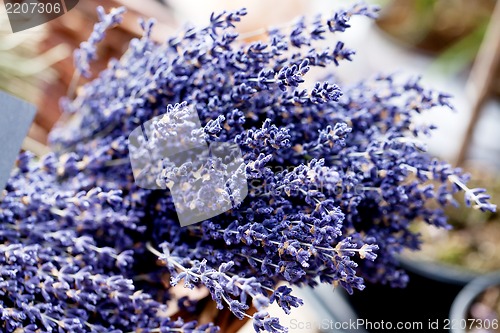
(335, 176)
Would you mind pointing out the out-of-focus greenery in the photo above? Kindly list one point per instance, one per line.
(461, 54)
(451, 30)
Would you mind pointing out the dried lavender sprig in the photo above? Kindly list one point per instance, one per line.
(87, 51)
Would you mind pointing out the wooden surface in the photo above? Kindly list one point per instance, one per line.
(73, 28)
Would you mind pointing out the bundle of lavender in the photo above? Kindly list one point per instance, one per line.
(335, 177)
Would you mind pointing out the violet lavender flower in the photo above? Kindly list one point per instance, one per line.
(336, 176)
(88, 49)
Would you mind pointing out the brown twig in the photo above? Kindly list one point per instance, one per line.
(479, 83)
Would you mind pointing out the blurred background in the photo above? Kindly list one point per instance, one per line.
(452, 44)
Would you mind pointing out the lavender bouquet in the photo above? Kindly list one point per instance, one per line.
(335, 178)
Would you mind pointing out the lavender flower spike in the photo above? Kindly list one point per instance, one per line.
(87, 51)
